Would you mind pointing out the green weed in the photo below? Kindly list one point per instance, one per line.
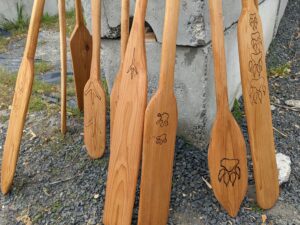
(281, 71)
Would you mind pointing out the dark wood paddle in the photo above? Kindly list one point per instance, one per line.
(227, 151)
(161, 120)
(127, 135)
(257, 105)
(81, 51)
(63, 60)
(94, 95)
(21, 99)
(124, 39)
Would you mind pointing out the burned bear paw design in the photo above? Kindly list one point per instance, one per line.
(229, 171)
(162, 139)
(163, 119)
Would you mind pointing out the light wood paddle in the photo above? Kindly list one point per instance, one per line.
(127, 136)
(124, 39)
(257, 105)
(161, 120)
(63, 59)
(81, 51)
(94, 94)
(21, 99)
(227, 151)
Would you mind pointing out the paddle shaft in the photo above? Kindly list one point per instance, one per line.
(166, 80)
(33, 32)
(63, 59)
(124, 27)
(218, 44)
(96, 26)
(79, 14)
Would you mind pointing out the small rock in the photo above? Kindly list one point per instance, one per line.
(273, 107)
(293, 103)
(284, 167)
(96, 196)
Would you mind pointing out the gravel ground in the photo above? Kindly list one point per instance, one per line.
(56, 182)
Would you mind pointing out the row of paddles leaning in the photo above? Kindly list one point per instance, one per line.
(144, 134)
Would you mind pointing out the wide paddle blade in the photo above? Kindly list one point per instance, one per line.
(161, 120)
(94, 95)
(126, 143)
(257, 105)
(227, 159)
(20, 101)
(81, 51)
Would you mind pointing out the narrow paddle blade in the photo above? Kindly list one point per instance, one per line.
(227, 159)
(81, 51)
(126, 143)
(20, 101)
(161, 120)
(257, 105)
(94, 95)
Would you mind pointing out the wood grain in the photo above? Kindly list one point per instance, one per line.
(81, 51)
(20, 102)
(126, 144)
(227, 151)
(94, 95)
(63, 60)
(160, 126)
(257, 105)
(124, 39)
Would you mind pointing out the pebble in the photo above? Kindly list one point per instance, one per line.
(284, 167)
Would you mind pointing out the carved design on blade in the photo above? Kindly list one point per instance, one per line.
(162, 139)
(163, 120)
(132, 69)
(229, 171)
(257, 83)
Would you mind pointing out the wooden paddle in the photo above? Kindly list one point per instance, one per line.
(257, 105)
(81, 51)
(227, 151)
(63, 59)
(127, 136)
(124, 39)
(94, 94)
(21, 98)
(160, 132)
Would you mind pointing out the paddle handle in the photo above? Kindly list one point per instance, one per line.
(218, 45)
(96, 26)
(169, 45)
(79, 14)
(256, 3)
(124, 26)
(63, 59)
(33, 33)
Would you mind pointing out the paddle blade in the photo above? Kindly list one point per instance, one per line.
(158, 156)
(114, 97)
(257, 106)
(81, 51)
(227, 163)
(94, 119)
(16, 123)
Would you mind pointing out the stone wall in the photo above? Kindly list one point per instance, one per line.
(194, 85)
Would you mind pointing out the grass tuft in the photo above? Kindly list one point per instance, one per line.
(281, 71)
(42, 67)
(237, 112)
